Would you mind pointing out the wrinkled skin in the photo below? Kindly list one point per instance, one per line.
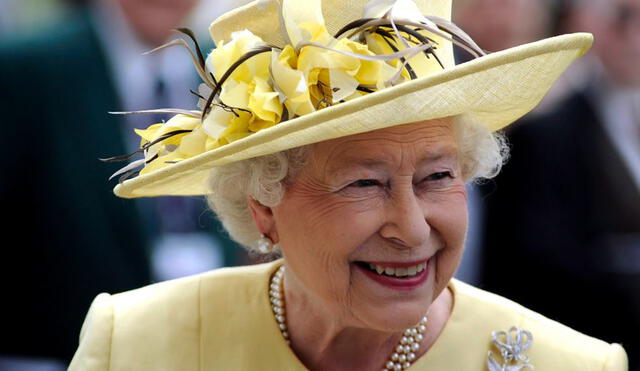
(393, 195)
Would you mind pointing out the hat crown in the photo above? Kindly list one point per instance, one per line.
(263, 18)
(373, 76)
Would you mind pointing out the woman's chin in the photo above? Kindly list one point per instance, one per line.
(393, 304)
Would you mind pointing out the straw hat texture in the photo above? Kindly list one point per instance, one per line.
(494, 89)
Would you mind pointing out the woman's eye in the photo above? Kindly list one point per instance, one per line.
(439, 176)
(364, 183)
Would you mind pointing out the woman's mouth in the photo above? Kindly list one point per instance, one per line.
(401, 272)
(395, 275)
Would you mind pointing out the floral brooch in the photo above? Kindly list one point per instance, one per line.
(512, 344)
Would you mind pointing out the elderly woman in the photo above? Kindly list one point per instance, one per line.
(344, 148)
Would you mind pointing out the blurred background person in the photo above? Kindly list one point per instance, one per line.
(67, 236)
(566, 207)
(502, 24)
(494, 25)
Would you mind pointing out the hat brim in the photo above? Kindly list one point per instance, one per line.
(495, 90)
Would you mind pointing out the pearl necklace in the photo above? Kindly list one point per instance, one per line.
(400, 359)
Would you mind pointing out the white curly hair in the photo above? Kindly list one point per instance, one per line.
(482, 154)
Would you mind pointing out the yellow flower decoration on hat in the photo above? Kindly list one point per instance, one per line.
(250, 86)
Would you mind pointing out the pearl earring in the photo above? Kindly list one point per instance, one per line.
(264, 244)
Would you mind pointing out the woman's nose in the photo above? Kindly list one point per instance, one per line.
(405, 218)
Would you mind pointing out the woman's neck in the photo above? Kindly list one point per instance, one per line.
(323, 340)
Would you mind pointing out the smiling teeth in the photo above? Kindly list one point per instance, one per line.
(399, 271)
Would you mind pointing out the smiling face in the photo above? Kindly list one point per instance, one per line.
(388, 199)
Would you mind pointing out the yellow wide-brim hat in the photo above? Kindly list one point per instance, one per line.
(271, 102)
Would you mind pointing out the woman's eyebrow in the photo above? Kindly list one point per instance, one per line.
(355, 163)
(359, 163)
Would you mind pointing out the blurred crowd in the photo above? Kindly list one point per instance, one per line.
(558, 230)
(561, 223)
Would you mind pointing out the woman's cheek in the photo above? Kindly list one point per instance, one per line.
(451, 193)
(449, 219)
(447, 262)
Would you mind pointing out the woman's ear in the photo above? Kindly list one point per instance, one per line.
(264, 219)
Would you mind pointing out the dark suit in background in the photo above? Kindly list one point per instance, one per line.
(566, 212)
(66, 236)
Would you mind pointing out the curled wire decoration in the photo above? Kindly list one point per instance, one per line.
(511, 344)
(406, 38)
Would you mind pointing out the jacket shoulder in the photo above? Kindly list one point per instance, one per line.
(94, 350)
(140, 326)
(555, 346)
(219, 281)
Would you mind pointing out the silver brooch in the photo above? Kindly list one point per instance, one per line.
(512, 345)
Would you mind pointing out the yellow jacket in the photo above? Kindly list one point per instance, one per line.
(222, 320)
